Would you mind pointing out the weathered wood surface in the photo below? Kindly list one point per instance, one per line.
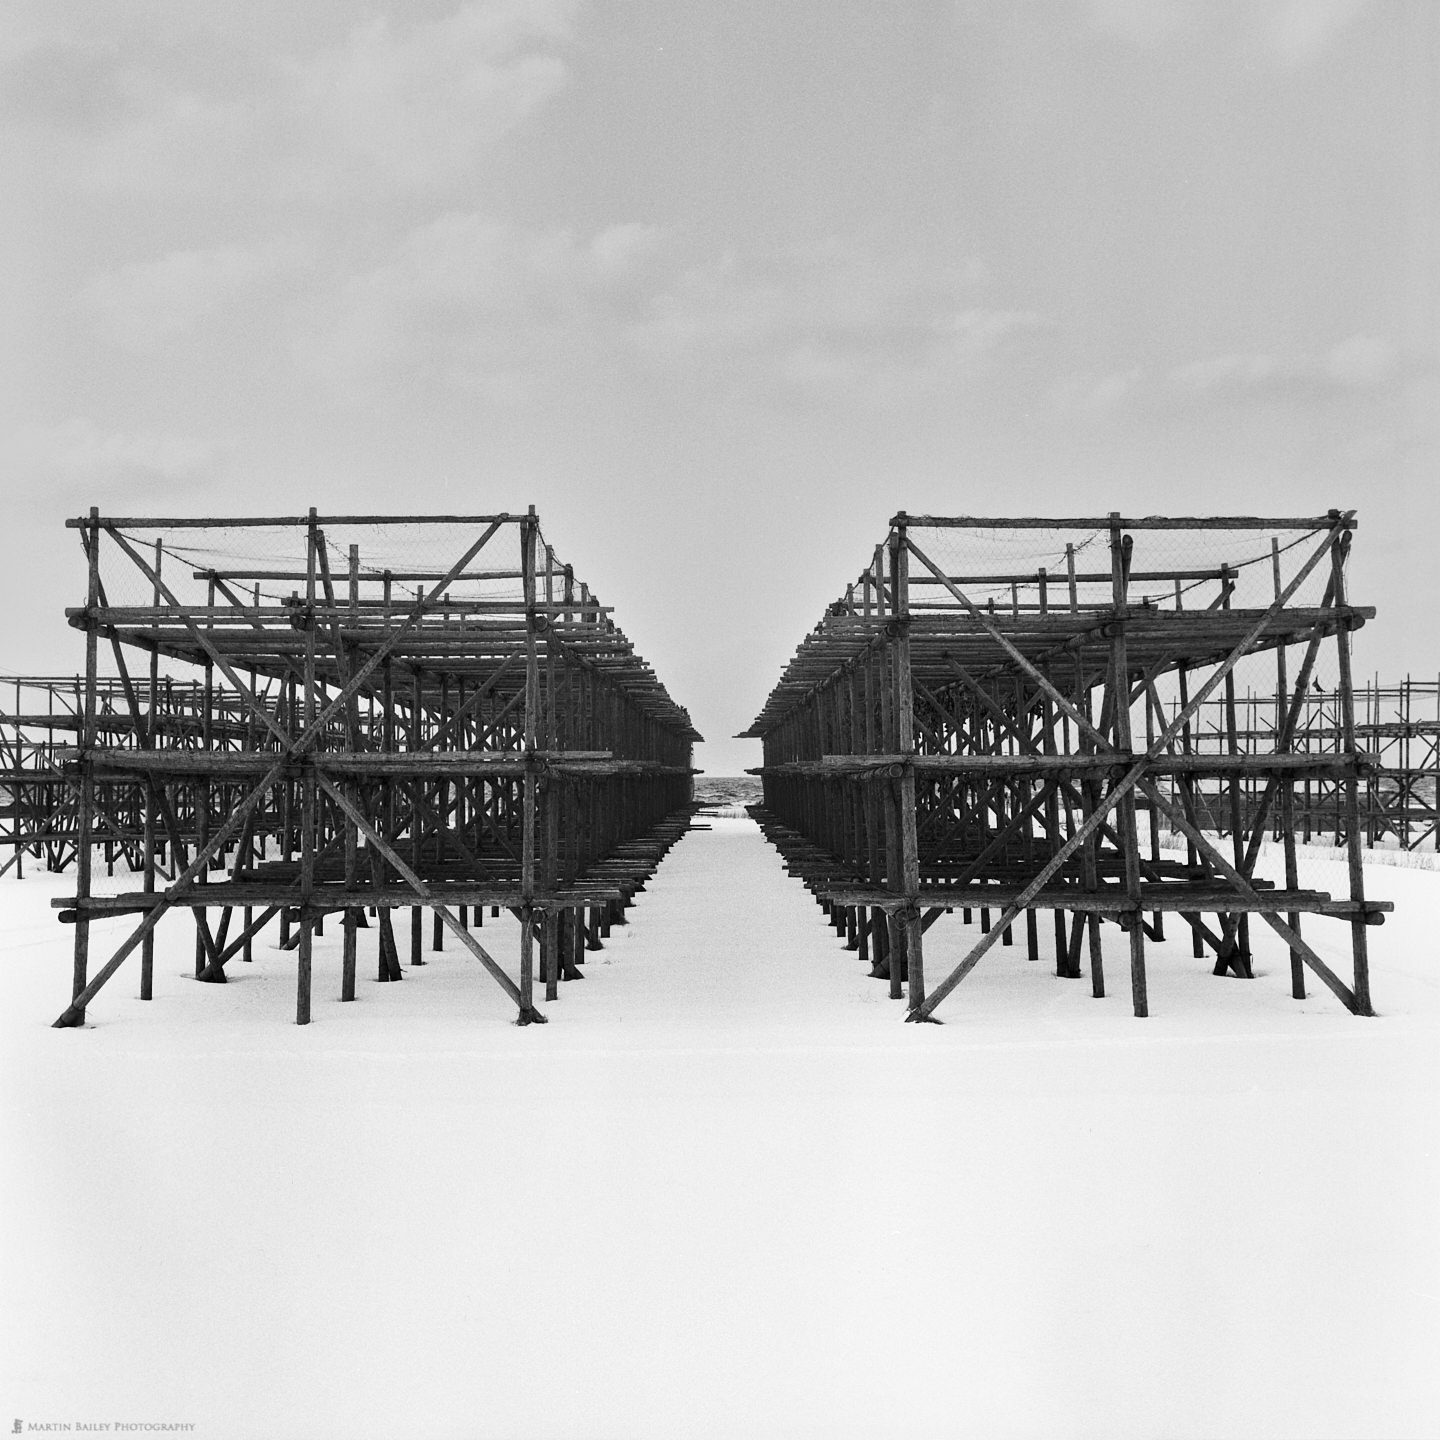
(1022, 768)
(436, 747)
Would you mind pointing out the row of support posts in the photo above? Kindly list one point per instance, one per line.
(517, 815)
(853, 725)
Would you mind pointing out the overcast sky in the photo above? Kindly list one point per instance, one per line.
(721, 287)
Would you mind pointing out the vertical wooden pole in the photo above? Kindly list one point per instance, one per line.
(309, 802)
(1236, 956)
(1287, 786)
(86, 799)
(1086, 921)
(1359, 940)
(1120, 715)
(905, 795)
(147, 945)
(528, 528)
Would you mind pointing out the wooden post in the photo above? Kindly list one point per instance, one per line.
(308, 821)
(528, 532)
(1287, 790)
(1359, 940)
(905, 791)
(85, 807)
(147, 945)
(1120, 715)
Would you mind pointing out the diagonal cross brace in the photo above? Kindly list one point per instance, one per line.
(1242, 885)
(1125, 783)
(425, 893)
(185, 882)
(198, 635)
(1176, 725)
(1092, 822)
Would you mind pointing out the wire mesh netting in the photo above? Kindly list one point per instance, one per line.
(1064, 566)
(269, 564)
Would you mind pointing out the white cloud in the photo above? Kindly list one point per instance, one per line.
(1290, 33)
(850, 317)
(415, 107)
(1095, 399)
(465, 301)
(1142, 22)
(147, 303)
(1361, 362)
(81, 456)
(1357, 366)
(386, 109)
(1229, 371)
(1299, 30)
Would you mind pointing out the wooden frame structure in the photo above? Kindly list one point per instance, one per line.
(976, 723)
(1398, 724)
(492, 739)
(39, 734)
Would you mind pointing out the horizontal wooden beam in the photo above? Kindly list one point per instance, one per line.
(1344, 520)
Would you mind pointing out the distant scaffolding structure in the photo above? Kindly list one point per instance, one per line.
(1398, 724)
(978, 721)
(387, 711)
(41, 725)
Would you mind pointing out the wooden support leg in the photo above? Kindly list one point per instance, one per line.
(1071, 967)
(1032, 936)
(550, 955)
(302, 973)
(204, 946)
(897, 955)
(389, 951)
(880, 934)
(347, 956)
(914, 960)
(1139, 994)
(571, 943)
(247, 953)
(1097, 960)
(528, 1014)
(417, 934)
(437, 940)
(76, 1014)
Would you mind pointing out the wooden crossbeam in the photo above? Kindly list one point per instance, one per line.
(423, 890)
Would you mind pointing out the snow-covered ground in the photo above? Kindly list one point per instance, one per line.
(725, 1192)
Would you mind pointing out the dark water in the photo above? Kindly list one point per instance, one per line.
(727, 789)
